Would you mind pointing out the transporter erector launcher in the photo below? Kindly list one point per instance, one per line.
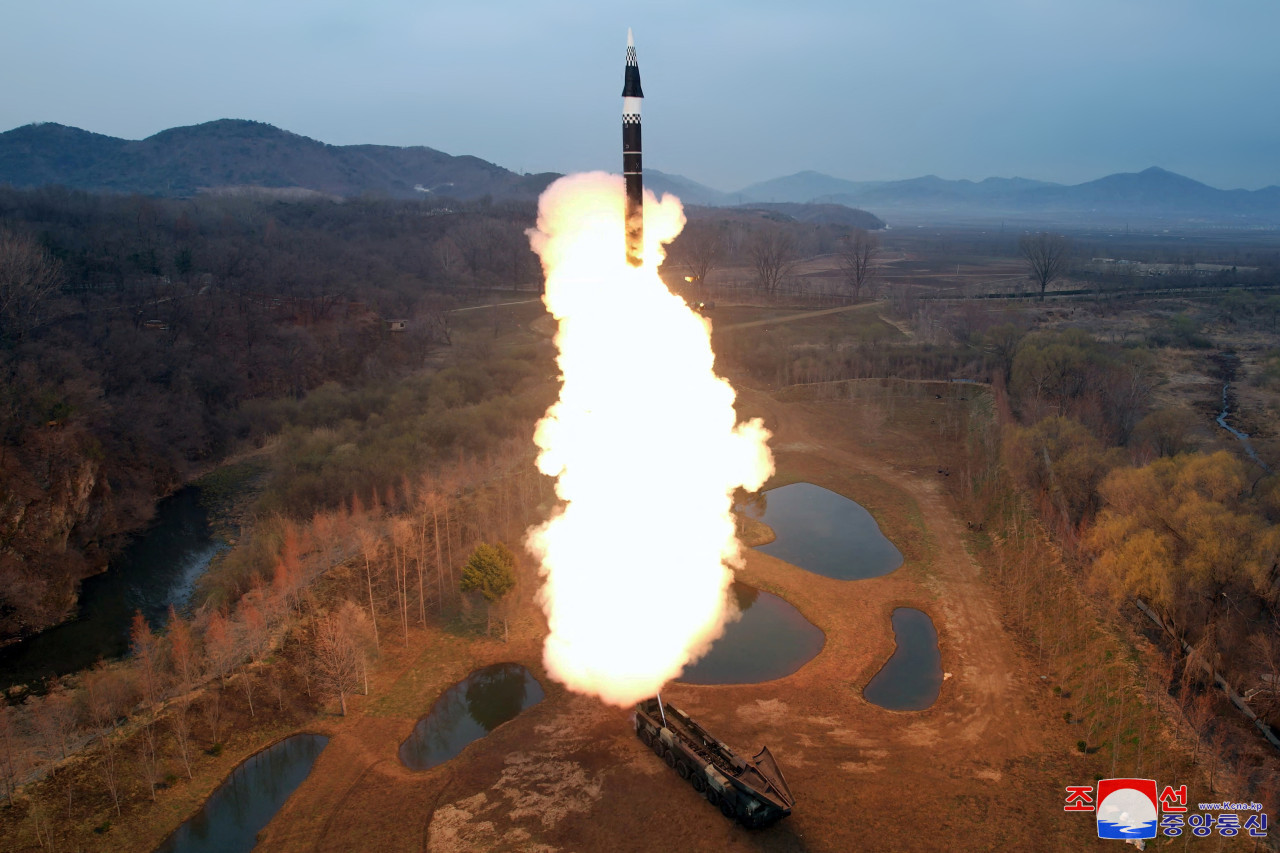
(631, 167)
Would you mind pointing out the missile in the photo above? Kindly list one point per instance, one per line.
(631, 168)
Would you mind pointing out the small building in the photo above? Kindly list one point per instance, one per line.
(396, 325)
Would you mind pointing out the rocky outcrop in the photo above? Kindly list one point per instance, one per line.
(54, 508)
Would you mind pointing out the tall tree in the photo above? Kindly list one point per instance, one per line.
(10, 750)
(1046, 256)
(339, 660)
(857, 253)
(180, 728)
(182, 654)
(490, 571)
(220, 646)
(29, 276)
(774, 255)
(146, 657)
(56, 719)
(107, 695)
(370, 545)
(700, 248)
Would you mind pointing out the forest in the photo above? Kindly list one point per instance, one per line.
(133, 331)
(146, 344)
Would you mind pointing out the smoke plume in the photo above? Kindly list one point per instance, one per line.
(647, 452)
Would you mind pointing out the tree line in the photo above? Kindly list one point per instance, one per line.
(304, 628)
(134, 331)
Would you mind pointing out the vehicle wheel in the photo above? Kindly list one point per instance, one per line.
(658, 747)
(713, 797)
(682, 770)
(646, 737)
(670, 758)
(726, 809)
(699, 782)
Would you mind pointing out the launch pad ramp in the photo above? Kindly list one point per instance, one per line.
(753, 791)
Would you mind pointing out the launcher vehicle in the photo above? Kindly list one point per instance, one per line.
(753, 792)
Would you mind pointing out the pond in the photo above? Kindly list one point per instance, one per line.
(912, 678)
(823, 532)
(157, 569)
(232, 817)
(468, 711)
(771, 640)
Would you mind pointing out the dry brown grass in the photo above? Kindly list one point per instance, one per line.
(984, 763)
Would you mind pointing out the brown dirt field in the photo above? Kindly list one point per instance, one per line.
(983, 769)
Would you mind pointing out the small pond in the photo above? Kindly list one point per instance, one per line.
(823, 532)
(232, 817)
(468, 711)
(771, 640)
(159, 568)
(912, 678)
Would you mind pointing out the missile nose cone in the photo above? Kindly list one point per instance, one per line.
(631, 84)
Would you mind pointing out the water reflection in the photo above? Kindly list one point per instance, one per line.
(157, 569)
(771, 640)
(823, 532)
(912, 678)
(468, 711)
(231, 819)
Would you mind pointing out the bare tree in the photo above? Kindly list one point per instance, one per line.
(339, 661)
(146, 657)
(774, 255)
(182, 654)
(401, 542)
(10, 750)
(370, 545)
(245, 681)
(180, 728)
(700, 248)
(438, 323)
(106, 696)
(211, 710)
(57, 720)
(857, 253)
(275, 680)
(149, 755)
(220, 646)
(1046, 256)
(28, 277)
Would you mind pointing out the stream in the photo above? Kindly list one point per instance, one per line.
(158, 568)
(1243, 437)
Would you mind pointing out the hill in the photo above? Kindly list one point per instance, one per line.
(819, 214)
(688, 191)
(1151, 195)
(800, 188)
(183, 161)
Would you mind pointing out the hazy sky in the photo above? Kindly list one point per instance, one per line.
(736, 92)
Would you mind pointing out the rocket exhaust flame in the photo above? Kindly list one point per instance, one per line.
(647, 452)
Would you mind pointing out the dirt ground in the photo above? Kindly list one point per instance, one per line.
(983, 769)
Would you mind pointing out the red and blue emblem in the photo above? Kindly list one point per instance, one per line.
(1127, 808)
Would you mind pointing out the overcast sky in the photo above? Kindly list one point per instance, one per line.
(736, 92)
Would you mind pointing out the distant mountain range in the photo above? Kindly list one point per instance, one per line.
(232, 154)
(1153, 194)
(183, 161)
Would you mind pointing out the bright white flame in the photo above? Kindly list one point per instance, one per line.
(646, 446)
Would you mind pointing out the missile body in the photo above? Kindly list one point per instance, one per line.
(632, 170)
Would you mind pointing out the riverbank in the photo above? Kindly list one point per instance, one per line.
(164, 566)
